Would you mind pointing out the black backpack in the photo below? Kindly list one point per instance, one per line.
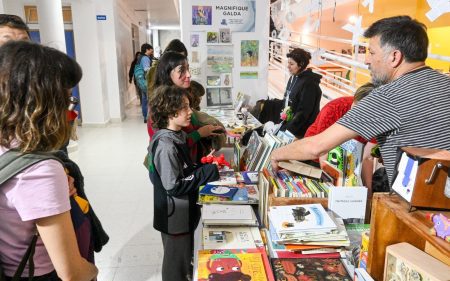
(13, 162)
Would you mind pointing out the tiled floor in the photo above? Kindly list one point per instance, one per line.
(121, 194)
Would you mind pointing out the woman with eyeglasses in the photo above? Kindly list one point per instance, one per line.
(173, 69)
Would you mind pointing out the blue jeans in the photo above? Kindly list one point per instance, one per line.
(144, 105)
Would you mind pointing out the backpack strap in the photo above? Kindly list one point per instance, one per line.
(11, 163)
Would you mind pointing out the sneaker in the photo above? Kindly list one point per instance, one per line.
(145, 120)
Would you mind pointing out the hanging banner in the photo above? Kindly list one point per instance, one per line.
(237, 15)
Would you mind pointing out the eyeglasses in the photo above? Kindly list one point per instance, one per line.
(73, 102)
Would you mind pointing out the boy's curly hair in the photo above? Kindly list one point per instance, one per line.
(165, 102)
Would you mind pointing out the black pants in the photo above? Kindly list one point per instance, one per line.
(178, 250)
(52, 276)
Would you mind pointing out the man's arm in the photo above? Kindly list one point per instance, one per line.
(313, 147)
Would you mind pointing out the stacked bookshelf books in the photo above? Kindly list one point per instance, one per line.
(231, 246)
(305, 241)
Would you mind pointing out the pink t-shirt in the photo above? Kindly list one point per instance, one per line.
(39, 191)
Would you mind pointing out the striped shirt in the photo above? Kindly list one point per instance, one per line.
(413, 110)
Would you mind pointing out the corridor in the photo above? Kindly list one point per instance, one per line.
(120, 192)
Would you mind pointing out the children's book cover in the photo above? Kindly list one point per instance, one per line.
(310, 269)
(201, 15)
(307, 218)
(219, 190)
(230, 265)
(250, 177)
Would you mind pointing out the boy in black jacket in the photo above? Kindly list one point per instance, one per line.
(175, 180)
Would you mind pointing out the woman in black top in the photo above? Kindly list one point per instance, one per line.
(303, 94)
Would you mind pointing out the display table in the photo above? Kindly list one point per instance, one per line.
(234, 126)
(391, 223)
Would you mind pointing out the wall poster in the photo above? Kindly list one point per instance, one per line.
(249, 52)
(237, 15)
(220, 58)
(201, 15)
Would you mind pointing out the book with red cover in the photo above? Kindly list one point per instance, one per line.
(295, 255)
(310, 269)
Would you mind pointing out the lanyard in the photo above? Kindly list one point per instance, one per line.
(288, 90)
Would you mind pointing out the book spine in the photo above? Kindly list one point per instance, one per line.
(303, 193)
(319, 188)
(312, 188)
(306, 191)
(292, 189)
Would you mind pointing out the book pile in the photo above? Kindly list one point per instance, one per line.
(258, 150)
(232, 246)
(228, 215)
(298, 231)
(231, 188)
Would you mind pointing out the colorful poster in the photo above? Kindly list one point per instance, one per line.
(201, 15)
(220, 58)
(212, 37)
(237, 15)
(195, 38)
(249, 52)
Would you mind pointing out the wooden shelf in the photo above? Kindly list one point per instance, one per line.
(391, 223)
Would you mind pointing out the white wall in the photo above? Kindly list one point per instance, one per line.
(165, 36)
(124, 49)
(14, 7)
(104, 51)
(93, 91)
(254, 88)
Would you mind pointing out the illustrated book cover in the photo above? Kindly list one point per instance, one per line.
(309, 269)
(405, 262)
(298, 218)
(219, 190)
(231, 238)
(231, 265)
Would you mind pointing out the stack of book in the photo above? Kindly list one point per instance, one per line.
(231, 188)
(232, 247)
(298, 231)
(228, 215)
(258, 150)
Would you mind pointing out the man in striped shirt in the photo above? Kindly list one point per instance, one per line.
(410, 106)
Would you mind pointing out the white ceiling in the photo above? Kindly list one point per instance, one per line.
(157, 12)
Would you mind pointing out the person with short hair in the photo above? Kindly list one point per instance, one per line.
(302, 95)
(173, 70)
(410, 106)
(144, 60)
(175, 180)
(146, 56)
(34, 97)
(197, 91)
(12, 27)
